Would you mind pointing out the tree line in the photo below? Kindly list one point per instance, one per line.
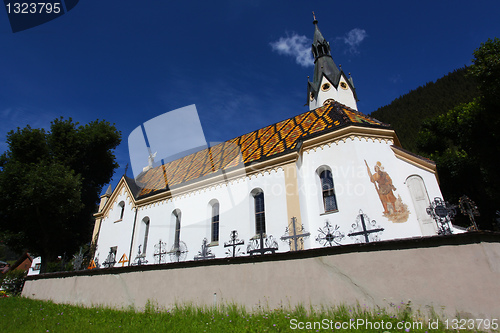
(455, 122)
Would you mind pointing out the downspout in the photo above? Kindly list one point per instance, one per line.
(132, 239)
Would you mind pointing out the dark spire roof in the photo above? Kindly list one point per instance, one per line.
(323, 61)
(324, 66)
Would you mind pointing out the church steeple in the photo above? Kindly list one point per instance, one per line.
(329, 82)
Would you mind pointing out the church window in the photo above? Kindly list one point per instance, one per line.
(260, 217)
(215, 222)
(326, 86)
(145, 230)
(421, 201)
(122, 209)
(328, 191)
(177, 237)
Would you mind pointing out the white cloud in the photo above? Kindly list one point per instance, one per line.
(296, 46)
(353, 38)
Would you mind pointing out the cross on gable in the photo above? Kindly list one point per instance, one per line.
(293, 235)
(205, 253)
(365, 231)
(233, 243)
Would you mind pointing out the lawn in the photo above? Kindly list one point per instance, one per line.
(21, 314)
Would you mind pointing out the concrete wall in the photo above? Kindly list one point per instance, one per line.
(458, 273)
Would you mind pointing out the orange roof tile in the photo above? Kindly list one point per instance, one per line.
(264, 143)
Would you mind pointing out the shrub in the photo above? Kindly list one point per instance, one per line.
(13, 281)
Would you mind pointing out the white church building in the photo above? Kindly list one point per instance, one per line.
(326, 177)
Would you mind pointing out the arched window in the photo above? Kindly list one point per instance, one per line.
(145, 231)
(421, 201)
(328, 191)
(177, 237)
(121, 205)
(215, 222)
(260, 213)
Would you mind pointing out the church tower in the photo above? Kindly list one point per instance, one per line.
(329, 82)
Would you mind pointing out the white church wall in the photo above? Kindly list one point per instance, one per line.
(354, 190)
(346, 159)
(236, 213)
(115, 229)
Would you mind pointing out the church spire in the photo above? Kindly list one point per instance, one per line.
(329, 82)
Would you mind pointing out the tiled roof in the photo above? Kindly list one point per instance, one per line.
(268, 142)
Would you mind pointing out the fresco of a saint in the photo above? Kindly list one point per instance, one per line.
(394, 209)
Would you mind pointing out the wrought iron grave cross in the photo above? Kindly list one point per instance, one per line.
(365, 231)
(233, 243)
(205, 253)
(160, 252)
(469, 208)
(140, 259)
(110, 260)
(262, 245)
(442, 213)
(295, 237)
(329, 235)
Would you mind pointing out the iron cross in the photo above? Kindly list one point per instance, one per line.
(205, 253)
(259, 246)
(234, 242)
(295, 237)
(160, 252)
(365, 231)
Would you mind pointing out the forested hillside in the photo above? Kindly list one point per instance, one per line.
(407, 112)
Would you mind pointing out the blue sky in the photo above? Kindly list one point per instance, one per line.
(243, 63)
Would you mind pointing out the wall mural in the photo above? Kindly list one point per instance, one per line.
(394, 208)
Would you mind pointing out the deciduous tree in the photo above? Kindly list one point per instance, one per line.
(50, 183)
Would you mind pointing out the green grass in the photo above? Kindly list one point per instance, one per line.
(18, 314)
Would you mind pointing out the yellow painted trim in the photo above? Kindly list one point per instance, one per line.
(352, 131)
(292, 198)
(415, 160)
